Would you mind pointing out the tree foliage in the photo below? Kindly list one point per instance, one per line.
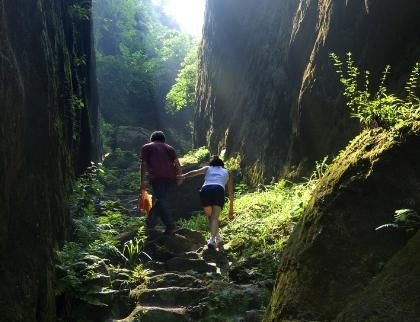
(182, 93)
(138, 56)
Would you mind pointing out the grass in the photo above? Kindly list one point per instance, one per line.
(263, 222)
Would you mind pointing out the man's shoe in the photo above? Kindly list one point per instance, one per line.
(170, 231)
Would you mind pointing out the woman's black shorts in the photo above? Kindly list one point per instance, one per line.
(212, 195)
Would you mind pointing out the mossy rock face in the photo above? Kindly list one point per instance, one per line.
(335, 253)
(170, 279)
(393, 295)
(168, 296)
(157, 314)
(230, 302)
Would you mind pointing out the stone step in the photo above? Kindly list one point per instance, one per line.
(157, 314)
(172, 279)
(168, 296)
(171, 244)
(213, 256)
(179, 264)
(195, 237)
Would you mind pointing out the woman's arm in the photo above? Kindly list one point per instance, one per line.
(193, 173)
(231, 194)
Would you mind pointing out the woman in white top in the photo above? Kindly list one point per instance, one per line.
(212, 195)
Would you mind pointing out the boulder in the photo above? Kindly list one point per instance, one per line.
(130, 138)
(173, 296)
(335, 258)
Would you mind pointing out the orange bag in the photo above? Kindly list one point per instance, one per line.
(145, 202)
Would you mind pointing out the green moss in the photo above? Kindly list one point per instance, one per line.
(334, 252)
(357, 160)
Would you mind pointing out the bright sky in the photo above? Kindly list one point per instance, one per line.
(189, 14)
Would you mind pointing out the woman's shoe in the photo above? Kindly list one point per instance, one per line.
(211, 244)
(219, 243)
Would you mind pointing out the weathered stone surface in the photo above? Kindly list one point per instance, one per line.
(199, 295)
(171, 279)
(157, 314)
(267, 88)
(393, 294)
(213, 256)
(48, 128)
(195, 238)
(186, 198)
(230, 302)
(173, 243)
(334, 260)
(179, 264)
(168, 296)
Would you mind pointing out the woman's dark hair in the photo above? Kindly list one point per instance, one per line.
(216, 162)
(157, 136)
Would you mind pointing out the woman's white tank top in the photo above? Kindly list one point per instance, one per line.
(216, 175)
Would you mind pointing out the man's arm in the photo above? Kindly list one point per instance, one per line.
(178, 169)
(143, 170)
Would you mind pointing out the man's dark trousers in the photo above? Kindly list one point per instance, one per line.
(162, 190)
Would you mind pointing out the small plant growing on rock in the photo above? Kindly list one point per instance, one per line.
(79, 11)
(139, 274)
(407, 219)
(381, 108)
(134, 247)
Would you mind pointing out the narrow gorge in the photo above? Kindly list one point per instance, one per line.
(312, 105)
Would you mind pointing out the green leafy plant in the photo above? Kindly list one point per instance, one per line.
(77, 103)
(408, 219)
(380, 108)
(82, 275)
(80, 11)
(89, 267)
(134, 247)
(321, 168)
(80, 61)
(139, 274)
(197, 222)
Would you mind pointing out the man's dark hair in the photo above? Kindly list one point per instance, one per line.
(216, 162)
(157, 136)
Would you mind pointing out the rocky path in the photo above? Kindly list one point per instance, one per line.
(189, 282)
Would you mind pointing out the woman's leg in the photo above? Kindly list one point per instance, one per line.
(214, 220)
(207, 211)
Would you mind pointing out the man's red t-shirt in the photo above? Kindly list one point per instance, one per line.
(160, 158)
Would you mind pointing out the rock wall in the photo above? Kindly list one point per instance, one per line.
(48, 126)
(266, 88)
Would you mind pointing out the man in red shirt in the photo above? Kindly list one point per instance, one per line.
(160, 161)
